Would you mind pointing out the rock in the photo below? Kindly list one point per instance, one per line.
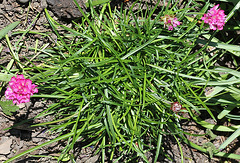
(44, 3)
(8, 7)
(23, 1)
(22, 105)
(92, 159)
(5, 145)
(38, 104)
(36, 140)
(66, 8)
(3, 158)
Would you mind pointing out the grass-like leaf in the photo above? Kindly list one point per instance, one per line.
(8, 28)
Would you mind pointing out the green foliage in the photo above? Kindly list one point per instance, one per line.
(211, 134)
(5, 77)
(8, 28)
(8, 107)
(115, 74)
(211, 149)
(230, 139)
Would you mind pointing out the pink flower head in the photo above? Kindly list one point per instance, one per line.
(170, 21)
(215, 18)
(176, 106)
(20, 89)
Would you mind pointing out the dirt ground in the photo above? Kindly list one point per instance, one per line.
(23, 137)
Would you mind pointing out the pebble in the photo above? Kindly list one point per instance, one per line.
(8, 7)
(38, 104)
(23, 1)
(21, 105)
(3, 158)
(92, 159)
(5, 145)
(36, 140)
(44, 4)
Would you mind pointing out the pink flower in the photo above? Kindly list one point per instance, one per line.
(215, 18)
(170, 21)
(20, 89)
(176, 106)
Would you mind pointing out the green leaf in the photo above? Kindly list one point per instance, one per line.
(225, 111)
(66, 158)
(215, 127)
(234, 49)
(211, 134)
(211, 149)
(8, 28)
(219, 82)
(6, 77)
(175, 73)
(215, 152)
(8, 107)
(230, 139)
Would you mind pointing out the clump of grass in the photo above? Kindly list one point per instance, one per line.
(116, 73)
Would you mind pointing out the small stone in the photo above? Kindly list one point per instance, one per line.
(23, 1)
(36, 140)
(8, 7)
(21, 144)
(44, 4)
(92, 159)
(28, 104)
(3, 158)
(38, 104)
(66, 8)
(22, 105)
(5, 145)
(10, 14)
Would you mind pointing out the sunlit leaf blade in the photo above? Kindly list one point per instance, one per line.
(230, 139)
(8, 28)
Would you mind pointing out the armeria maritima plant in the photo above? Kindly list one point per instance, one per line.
(20, 89)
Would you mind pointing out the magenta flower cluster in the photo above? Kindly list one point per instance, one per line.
(170, 21)
(215, 18)
(20, 89)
